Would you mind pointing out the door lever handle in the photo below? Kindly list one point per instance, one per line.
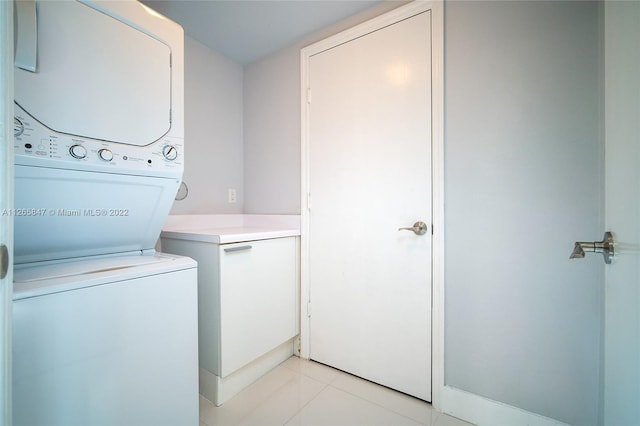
(4, 261)
(418, 228)
(605, 247)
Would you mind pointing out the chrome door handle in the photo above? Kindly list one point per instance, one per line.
(418, 228)
(4, 261)
(238, 248)
(605, 247)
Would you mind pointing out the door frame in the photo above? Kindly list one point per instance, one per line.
(437, 158)
(6, 204)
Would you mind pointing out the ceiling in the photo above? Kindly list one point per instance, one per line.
(247, 30)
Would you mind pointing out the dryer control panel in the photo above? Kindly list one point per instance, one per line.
(36, 145)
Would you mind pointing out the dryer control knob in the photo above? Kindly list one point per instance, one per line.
(78, 151)
(18, 127)
(105, 154)
(170, 152)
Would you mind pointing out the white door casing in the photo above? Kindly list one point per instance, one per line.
(370, 148)
(6, 204)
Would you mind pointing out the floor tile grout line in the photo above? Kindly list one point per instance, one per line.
(353, 376)
(271, 393)
(386, 408)
(305, 405)
(299, 371)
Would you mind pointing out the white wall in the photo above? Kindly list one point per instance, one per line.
(272, 134)
(523, 182)
(213, 132)
(272, 123)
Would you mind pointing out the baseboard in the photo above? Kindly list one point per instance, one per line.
(484, 411)
(219, 390)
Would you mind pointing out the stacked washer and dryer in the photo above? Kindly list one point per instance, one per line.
(104, 328)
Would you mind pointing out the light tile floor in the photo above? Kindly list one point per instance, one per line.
(300, 392)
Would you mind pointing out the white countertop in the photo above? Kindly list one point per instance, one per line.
(226, 229)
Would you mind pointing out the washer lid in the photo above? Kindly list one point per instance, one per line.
(97, 76)
(84, 267)
(49, 278)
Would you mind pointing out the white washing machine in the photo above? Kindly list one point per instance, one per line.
(105, 328)
(110, 341)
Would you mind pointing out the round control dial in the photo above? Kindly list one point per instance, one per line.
(105, 154)
(18, 127)
(170, 152)
(78, 151)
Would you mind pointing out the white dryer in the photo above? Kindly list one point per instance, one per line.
(105, 329)
(99, 134)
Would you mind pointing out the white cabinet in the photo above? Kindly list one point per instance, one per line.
(247, 304)
(257, 299)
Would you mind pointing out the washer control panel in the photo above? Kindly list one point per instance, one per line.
(35, 144)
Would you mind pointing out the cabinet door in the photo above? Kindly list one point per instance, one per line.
(257, 299)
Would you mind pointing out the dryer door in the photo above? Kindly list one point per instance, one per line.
(97, 76)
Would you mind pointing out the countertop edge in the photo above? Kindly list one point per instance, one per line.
(232, 236)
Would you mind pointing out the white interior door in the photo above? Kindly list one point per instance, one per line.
(622, 277)
(6, 195)
(369, 174)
